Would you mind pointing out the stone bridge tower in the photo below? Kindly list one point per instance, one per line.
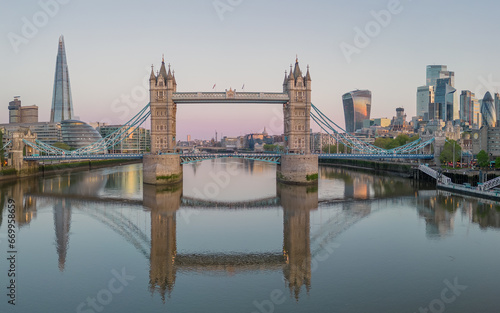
(296, 112)
(163, 110)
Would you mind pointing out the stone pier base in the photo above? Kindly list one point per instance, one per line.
(162, 169)
(298, 169)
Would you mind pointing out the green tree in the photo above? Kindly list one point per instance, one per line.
(447, 153)
(62, 145)
(497, 162)
(333, 148)
(269, 147)
(483, 159)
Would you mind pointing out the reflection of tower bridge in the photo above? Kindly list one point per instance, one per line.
(163, 165)
(157, 241)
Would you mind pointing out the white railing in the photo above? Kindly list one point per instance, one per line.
(435, 174)
(490, 184)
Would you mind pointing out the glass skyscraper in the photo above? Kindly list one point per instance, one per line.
(444, 100)
(62, 104)
(438, 99)
(488, 110)
(470, 108)
(357, 107)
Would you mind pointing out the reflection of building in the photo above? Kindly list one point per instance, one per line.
(62, 222)
(163, 205)
(297, 202)
(357, 107)
(439, 214)
(62, 104)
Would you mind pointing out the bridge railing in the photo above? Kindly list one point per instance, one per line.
(490, 184)
(435, 174)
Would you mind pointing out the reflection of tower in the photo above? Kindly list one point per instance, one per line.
(25, 206)
(62, 221)
(297, 202)
(164, 205)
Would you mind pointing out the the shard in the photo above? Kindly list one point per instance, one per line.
(62, 104)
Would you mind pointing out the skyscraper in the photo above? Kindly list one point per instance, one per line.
(445, 100)
(425, 96)
(447, 107)
(488, 110)
(497, 107)
(62, 104)
(357, 107)
(469, 108)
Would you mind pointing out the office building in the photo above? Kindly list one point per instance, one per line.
(78, 134)
(441, 100)
(497, 107)
(488, 110)
(137, 140)
(20, 114)
(425, 96)
(444, 101)
(469, 108)
(62, 104)
(357, 107)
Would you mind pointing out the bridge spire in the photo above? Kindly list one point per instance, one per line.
(308, 76)
(152, 76)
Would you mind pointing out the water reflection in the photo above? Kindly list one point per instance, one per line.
(97, 193)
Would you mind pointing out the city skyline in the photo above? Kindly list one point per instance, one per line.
(227, 48)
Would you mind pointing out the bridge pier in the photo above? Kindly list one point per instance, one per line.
(298, 169)
(164, 169)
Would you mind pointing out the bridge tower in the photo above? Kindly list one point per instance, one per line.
(298, 165)
(296, 111)
(164, 168)
(163, 110)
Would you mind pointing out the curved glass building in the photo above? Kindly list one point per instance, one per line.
(78, 134)
(488, 110)
(357, 107)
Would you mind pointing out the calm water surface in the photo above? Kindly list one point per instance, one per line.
(229, 239)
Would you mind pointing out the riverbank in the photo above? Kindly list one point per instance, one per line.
(49, 169)
(378, 167)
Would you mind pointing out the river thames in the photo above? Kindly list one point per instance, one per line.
(230, 239)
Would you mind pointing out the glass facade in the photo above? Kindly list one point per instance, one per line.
(488, 110)
(357, 107)
(78, 134)
(444, 107)
(469, 108)
(62, 104)
(137, 141)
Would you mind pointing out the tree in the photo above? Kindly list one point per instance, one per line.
(483, 159)
(62, 145)
(269, 147)
(333, 148)
(497, 162)
(450, 146)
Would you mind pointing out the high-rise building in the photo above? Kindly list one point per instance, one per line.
(446, 105)
(62, 104)
(435, 72)
(445, 100)
(488, 110)
(425, 96)
(20, 114)
(357, 107)
(497, 107)
(469, 108)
